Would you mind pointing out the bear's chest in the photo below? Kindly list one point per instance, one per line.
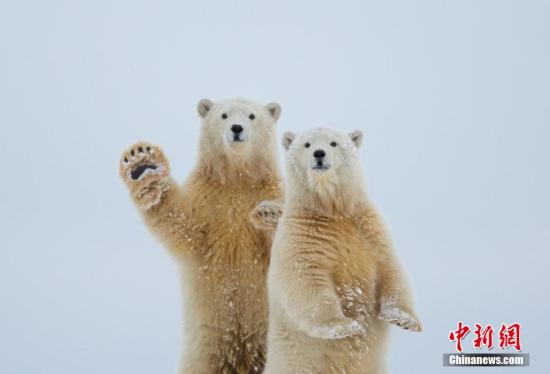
(228, 236)
(338, 246)
(339, 241)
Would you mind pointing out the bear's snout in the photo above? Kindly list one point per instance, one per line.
(237, 134)
(320, 161)
(237, 129)
(319, 154)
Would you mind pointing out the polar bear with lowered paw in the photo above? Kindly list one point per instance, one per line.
(206, 226)
(333, 281)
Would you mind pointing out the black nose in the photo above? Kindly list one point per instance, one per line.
(319, 153)
(237, 129)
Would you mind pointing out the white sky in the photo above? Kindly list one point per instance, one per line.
(453, 98)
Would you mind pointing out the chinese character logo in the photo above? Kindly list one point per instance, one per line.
(483, 337)
(458, 335)
(509, 336)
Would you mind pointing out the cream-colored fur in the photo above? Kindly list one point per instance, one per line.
(334, 281)
(206, 226)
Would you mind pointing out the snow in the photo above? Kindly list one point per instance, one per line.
(338, 331)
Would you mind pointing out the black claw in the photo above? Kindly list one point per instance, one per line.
(140, 149)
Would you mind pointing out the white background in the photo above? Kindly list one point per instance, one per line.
(453, 98)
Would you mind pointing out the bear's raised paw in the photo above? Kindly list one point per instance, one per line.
(145, 171)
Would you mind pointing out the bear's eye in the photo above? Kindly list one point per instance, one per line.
(224, 116)
(252, 116)
(307, 145)
(333, 144)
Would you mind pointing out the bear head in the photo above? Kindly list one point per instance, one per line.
(238, 138)
(323, 168)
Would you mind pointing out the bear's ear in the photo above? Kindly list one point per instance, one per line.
(288, 137)
(356, 137)
(274, 109)
(204, 107)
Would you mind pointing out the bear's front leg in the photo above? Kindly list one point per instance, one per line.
(396, 306)
(146, 173)
(395, 299)
(392, 312)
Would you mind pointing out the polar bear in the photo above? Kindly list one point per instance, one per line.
(333, 281)
(205, 225)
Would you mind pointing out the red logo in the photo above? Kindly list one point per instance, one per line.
(483, 337)
(509, 336)
(458, 335)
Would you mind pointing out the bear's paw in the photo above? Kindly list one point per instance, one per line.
(145, 170)
(337, 330)
(266, 214)
(398, 317)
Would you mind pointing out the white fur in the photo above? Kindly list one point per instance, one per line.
(331, 262)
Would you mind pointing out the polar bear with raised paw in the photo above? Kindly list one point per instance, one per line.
(206, 225)
(334, 281)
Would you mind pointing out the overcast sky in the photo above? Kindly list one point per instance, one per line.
(452, 96)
